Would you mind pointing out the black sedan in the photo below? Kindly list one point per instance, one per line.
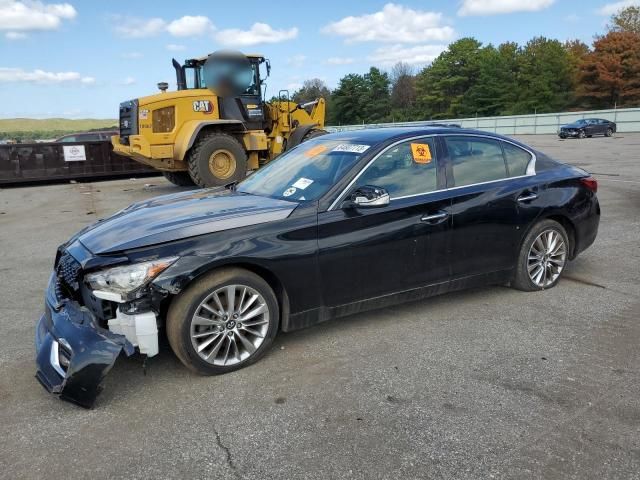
(340, 224)
(588, 127)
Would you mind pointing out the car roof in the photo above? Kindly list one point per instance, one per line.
(384, 134)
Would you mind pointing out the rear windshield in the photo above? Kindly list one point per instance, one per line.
(306, 172)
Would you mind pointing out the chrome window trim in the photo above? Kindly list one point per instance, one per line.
(531, 167)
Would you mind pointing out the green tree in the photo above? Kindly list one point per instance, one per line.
(577, 52)
(349, 98)
(626, 20)
(495, 89)
(610, 74)
(377, 99)
(545, 77)
(441, 88)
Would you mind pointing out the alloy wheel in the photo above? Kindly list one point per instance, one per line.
(547, 258)
(229, 325)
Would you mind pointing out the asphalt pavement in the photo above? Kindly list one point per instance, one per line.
(486, 383)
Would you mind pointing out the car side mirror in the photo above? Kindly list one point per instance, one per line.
(369, 196)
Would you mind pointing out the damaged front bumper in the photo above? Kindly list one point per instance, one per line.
(73, 353)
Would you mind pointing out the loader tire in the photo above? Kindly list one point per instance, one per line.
(313, 133)
(217, 159)
(181, 179)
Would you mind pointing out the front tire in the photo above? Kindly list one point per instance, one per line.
(217, 159)
(543, 257)
(225, 321)
(182, 179)
(582, 134)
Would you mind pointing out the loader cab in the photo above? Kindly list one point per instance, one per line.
(247, 106)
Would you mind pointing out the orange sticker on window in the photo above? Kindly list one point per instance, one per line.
(421, 152)
(317, 150)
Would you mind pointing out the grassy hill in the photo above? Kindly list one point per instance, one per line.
(49, 124)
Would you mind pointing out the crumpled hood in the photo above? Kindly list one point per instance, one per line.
(182, 215)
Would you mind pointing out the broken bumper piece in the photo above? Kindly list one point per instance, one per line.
(73, 353)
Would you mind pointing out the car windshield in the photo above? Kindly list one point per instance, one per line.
(306, 172)
(581, 122)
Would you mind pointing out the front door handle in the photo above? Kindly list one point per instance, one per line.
(435, 217)
(527, 197)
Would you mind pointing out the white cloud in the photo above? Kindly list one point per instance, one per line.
(339, 60)
(615, 7)
(296, 60)
(132, 55)
(189, 26)
(11, 75)
(33, 15)
(493, 7)
(418, 55)
(173, 47)
(15, 35)
(128, 81)
(258, 33)
(140, 28)
(393, 24)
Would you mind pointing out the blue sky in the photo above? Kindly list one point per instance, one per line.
(81, 58)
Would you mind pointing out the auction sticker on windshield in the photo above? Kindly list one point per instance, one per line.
(302, 183)
(347, 147)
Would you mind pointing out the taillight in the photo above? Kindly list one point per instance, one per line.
(591, 183)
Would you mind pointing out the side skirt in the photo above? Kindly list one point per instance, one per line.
(308, 318)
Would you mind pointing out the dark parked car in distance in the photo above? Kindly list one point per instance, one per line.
(97, 136)
(587, 127)
(339, 224)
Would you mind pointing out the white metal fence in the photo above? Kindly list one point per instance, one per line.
(627, 120)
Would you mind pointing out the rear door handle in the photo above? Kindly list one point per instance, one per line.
(435, 217)
(527, 197)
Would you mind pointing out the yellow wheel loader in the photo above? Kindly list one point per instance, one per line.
(217, 125)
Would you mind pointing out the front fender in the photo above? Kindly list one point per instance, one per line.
(189, 131)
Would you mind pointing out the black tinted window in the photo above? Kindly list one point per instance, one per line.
(475, 160)
(517, 159)
(408, 168)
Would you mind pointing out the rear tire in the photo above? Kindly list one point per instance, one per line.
(217, 159)
(609, 132)
(543, 257)
(194, 339)
(182, 179)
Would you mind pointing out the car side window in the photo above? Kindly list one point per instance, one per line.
(517, 159)
(475, 160)
(408, 168)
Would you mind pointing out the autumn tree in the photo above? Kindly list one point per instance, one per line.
(610, 74)
(311, 90)
(626, 20)
(403, 91)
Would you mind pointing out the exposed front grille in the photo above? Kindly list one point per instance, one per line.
(68, 274)
(128, 120)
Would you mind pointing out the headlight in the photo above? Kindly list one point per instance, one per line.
(115, 283)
